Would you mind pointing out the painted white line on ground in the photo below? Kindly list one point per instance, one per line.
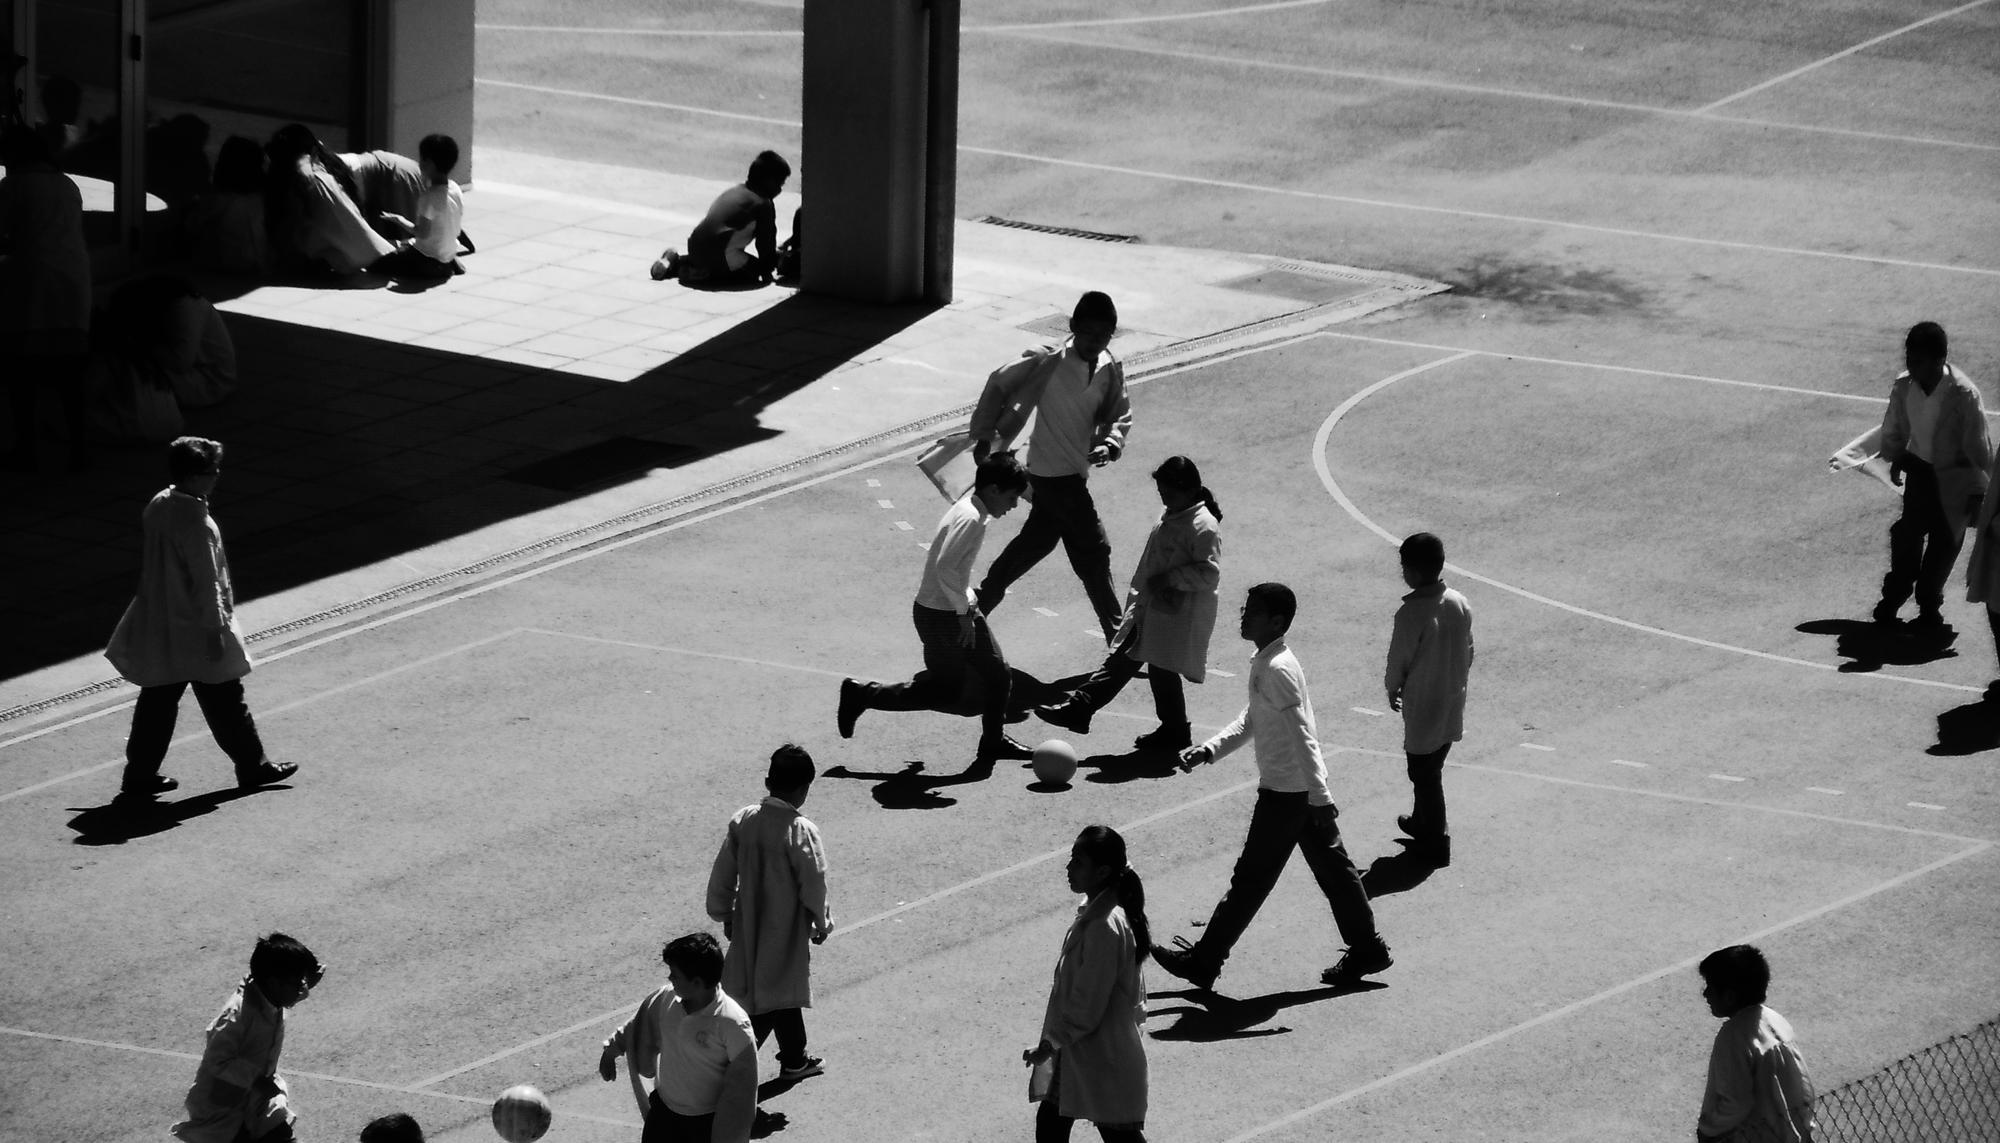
(1826, 790)
(1924, 806)
(1043, 611)
(924, 544)
(905, 526)
(1366, 711)
(272, 712)
(669, 33)
(1223, 673)
(1341, 498)
(874, 483)
(1535, 746)
(1625, 762)
(1315, 196)
(1208, 14)
(885, 503)
(1841, 55)
(1728, 778)
(1680, 113)
(1681, 966)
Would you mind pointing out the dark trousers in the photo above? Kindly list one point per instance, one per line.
(412, 264)
(940, 685)
(790, 1025)
(1119, 668)
(158, 708)
(1280, 822)
(1052, 1126)
(1922, 543)
(1061, 512)
(665, 1125)
(1427, 819)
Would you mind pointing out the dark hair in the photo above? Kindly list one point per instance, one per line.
(1741, 969)
(194, 456)
(698, 955)
(239, 166)
(21, 144)
(441, 150)
(294, 140)
(1926, 340)
(61, 97)
(1277, 601)
(1180, 474)
(1095, 305)
(1003, 471)
(280, 957)
(1424, 552)
(396, 1128)
(791, 767)
(769, 166)
(1106, 847)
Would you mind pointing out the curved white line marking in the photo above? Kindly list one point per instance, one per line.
(1333, 489)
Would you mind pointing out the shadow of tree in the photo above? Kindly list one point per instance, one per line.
(1209, 1016)
(116, 824)
(1869, 646)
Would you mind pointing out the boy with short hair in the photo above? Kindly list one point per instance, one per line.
(694, 1041)
(395, 1128)
(718, 246)
(1430, 657)
(237, 1093)
(768, 890)
(1758, 1085)
(431, 253)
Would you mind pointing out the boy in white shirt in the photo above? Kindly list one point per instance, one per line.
(431, 254)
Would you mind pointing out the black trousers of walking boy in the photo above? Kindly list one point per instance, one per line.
(158, 709)
(1280, 822)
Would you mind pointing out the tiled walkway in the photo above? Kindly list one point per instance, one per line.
(379, 438)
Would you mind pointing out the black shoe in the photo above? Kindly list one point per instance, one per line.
(147, 791)
(1181, 961)
(1001, 747)
(1175, 738)
(853, 700)
(1357, 962)
(265, 773)
(1885, 613)
(1068, 714)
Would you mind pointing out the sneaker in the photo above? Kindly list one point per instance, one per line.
(1068, 714)
(1357, 962)
(148, 790)
(1175, 738)
(1181, 961)
(1002, 747)
(853, 700)
(812, 1066)
(668, 265)
(265, 773)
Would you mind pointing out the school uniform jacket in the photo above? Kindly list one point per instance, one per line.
(1962, 448)
(1175, 624)
(1096, 1005)
(769, 884)
(1013, 391)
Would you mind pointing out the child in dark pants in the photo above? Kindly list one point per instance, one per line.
(1430, 655)
(237, 1093)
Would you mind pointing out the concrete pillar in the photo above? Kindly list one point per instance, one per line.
(420, 79)
(866, 161)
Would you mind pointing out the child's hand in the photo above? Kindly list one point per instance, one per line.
(1194, 756)
(607, 1064)
(1396, 701)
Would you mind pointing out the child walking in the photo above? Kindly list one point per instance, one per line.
(237, 1092)
(1430, 656)
(768, 889)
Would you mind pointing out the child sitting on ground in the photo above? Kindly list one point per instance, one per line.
(237, 1093)
(432, 254)
(718, 253)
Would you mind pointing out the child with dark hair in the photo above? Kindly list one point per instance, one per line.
(957, 639)
(1091, 1043)
(1758, 1085)
(694, 1041)
(228, 221)
(768, 890)
(431, 253)
(1430, 657)
(718, 246)
(1169, 613)
(396, 1128)
(237, 1093)
(314, 203)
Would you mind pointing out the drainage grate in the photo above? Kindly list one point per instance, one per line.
(601, 463)
(1064, 231)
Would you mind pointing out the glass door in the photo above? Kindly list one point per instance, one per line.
(80, 80)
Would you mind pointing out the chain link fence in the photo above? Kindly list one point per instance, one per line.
(1947, 1093)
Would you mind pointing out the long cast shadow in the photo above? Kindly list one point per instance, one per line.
(1396, 872)
(910, 788)
(344, 451)
(1209, 1016)
(114, 824)
(1869, 646)
(1970, 729)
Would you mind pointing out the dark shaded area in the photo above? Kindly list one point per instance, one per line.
(1546, 292)
(1396, 872)
(1132, 766)
(910, 788)
(1970, 729)
(344, 451)
(1210, 1016)
(1870, 646)
(767, 1123)
(116, 824)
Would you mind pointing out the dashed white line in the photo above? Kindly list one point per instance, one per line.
(1223, 673)
(905, 526)
(1628, 762)
(1366, 711)
(885, 503)
(1828, 790)
(874, 483)
(1924, 806)
(1728, 778)
(1045, 612)
(1536, 746)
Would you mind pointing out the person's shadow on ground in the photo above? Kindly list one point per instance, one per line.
(767, 1123)
(1209, 1016)
(1869, 646)
(910, 788)
(1131, 766)
(1396, 872)
(1970, 729)
(115, 824)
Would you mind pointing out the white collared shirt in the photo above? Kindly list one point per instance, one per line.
(1279, 718)
(1923, 409)
(1066, 416)
(695, 1050)
(947, 582)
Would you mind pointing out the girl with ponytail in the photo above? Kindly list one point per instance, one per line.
(1169, 613)
(1091, 1050)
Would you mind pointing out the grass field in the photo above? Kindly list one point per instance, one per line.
(1687, 238)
